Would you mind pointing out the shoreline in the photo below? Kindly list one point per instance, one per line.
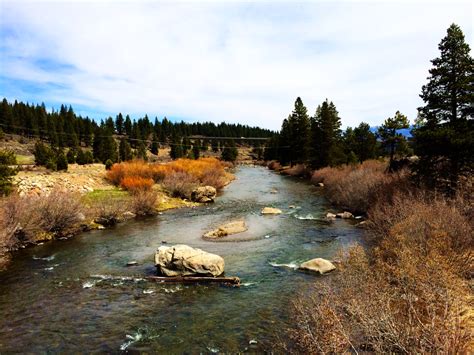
(90, 201)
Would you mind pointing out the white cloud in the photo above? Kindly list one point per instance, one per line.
(240, 62)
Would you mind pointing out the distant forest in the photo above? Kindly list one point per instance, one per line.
(64, 128)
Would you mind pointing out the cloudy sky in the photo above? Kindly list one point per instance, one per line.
(224, 61)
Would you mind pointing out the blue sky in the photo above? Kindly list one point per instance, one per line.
(224, 61)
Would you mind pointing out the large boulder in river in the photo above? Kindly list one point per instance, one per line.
(204, 194)
(271, 210)
(230, 228)
(182, 260)
(319, 265)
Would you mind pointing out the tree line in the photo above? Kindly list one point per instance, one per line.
(115, 140)
(318, 140)
(442, 137)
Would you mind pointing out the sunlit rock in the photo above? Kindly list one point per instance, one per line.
(271, 210)
(230, 228)
(318, 265)
(182, 260)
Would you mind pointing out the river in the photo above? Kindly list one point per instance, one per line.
(59, 297)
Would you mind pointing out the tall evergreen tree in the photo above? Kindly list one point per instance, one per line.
(125, 151)
(391, 139)
(230, 152)
(119, 124)
(141, 151)
(365, 142)
(444, 136)
(176, 150)
(154, 144)
(326, 143)
(299, 132)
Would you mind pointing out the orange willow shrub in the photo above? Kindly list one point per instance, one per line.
(126, 169)
(136, 183)
(204, 171)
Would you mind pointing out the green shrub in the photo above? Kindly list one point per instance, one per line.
(71, 156)
(51, 164)
(108, 164)
(42, 153)
(61, 162)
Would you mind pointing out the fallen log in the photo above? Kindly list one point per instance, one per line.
(230, 281)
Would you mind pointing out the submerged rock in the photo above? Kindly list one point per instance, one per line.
(204, 194)
(271, 210)
(319, 265)
(345, 215)
(227, 229)
(182, 260)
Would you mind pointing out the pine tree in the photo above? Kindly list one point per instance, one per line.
(154, 144)
(176, 150)
(128, 126)
(42, 153)
(365, 142)
(391, 139)
(7, 158)
(285, 147)
(119, 124)
(186, 145)
(125, 151)
(299, 130)
(141, 151)
(444, 135)
(71, 155)
(326, 140)
(196, 149)
(230, 153)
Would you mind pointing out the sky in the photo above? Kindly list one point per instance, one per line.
(241, 62)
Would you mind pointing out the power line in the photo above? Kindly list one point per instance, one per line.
(148, 140)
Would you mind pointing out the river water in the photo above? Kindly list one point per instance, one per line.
(78, 295)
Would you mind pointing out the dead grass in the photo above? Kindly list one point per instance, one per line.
(409, 293)
(274, 165)
(357, 187)
(298, 170)
(144, 203)
(25, 220)
(180, 184)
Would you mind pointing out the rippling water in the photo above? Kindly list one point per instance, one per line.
(78, 295)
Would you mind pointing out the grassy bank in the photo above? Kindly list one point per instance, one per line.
(410, 290)
(143, 189)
